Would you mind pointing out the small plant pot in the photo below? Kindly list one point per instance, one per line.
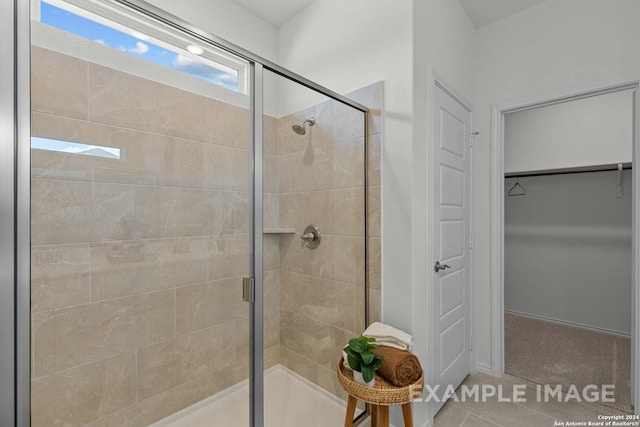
(345, 359)
(357, 377)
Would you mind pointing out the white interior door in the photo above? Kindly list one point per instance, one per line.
(451, 232)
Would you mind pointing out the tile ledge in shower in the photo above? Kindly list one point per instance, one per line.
(279, 231)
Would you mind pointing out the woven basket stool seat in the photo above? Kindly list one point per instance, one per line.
(381, 395)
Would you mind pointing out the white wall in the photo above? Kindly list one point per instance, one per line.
(553, 45)
(585, 132)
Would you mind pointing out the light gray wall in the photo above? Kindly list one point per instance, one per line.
(568, 249)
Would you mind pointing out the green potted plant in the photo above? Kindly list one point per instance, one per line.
(362, 360)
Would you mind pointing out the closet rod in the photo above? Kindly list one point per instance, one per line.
(580, 169)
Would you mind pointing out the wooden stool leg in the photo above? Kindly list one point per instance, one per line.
(374, 415)
(384, 416)
(406, 414)
(351, 410)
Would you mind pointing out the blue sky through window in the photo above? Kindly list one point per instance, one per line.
(86, 28)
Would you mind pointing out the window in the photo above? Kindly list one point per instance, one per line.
(139, 36)
(74, 148)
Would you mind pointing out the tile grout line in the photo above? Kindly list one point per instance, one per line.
(465, 419)
(489, 421)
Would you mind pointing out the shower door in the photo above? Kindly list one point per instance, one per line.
(314, 249)
(140, 219)
(143, 290)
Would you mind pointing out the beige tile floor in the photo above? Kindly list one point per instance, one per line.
(530, 413)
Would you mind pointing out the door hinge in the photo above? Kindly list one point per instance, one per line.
(248, 289)
(470, 343)
(471, 242)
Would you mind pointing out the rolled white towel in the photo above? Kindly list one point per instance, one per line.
(389, 336)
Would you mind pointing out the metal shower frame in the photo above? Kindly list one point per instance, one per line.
(15, 195)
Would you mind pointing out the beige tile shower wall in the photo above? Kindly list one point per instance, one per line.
(322, 183)
(271, 243)
(136, 294)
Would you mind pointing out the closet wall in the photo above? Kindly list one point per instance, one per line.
(568, 240)
(568, 249)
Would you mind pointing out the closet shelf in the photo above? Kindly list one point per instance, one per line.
(279, 231)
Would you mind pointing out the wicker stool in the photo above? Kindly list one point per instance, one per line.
(380, 396)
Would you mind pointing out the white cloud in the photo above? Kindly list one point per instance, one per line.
(140, 49)
(198, 68)
(102, 42)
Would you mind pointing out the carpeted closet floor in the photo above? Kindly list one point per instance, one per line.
(550, 353)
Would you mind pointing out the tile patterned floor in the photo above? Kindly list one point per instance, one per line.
(530, 413)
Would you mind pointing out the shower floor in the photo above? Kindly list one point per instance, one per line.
(290, 401)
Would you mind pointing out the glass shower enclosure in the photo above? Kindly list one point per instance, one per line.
(197, 244)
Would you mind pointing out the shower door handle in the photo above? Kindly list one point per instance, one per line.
(248, 289)
(439, 267)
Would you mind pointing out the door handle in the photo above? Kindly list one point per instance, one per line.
(248, 290)
(439, 267)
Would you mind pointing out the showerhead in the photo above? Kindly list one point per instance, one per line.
(300, 129)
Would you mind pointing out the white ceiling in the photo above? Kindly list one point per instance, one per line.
(275, 12)
(483, 12)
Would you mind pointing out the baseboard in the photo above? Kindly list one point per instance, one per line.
(485, 369)
(569, 323)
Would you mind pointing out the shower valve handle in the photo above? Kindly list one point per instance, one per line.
(311, 237)
(308, 237)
